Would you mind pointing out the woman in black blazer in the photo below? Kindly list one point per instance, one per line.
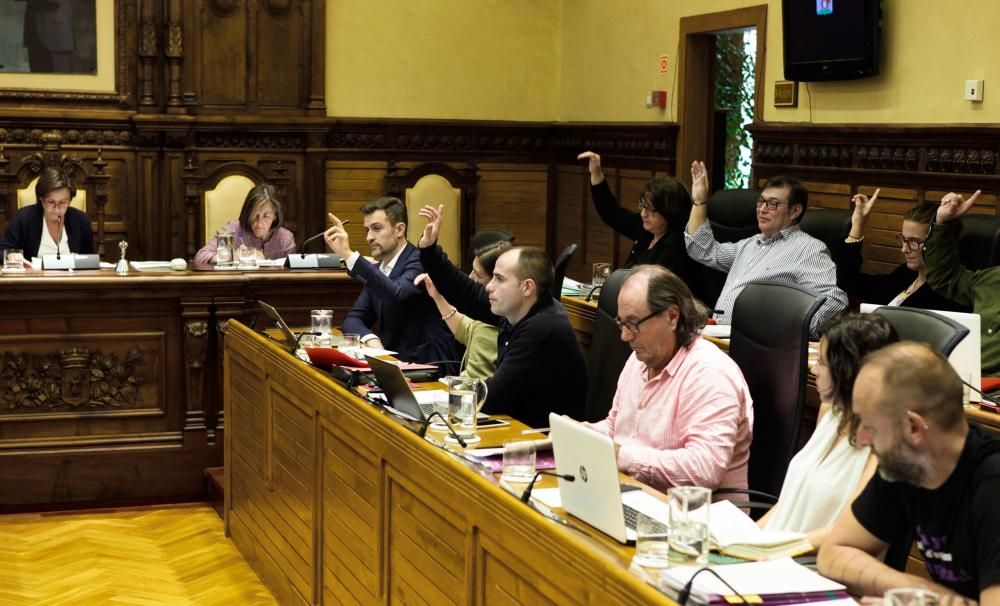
(51, 224)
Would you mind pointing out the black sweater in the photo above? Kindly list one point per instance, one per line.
(540, 366)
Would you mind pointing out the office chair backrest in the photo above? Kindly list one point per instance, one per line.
(562, 262)
(608, 352)
(482, 239)
(979, 244)
(732, 214)
(913, 324)
(770, 342)
(828, 225)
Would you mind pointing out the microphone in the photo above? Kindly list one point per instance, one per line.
(590, 295)
(59, 220)
(451, 430)
(992, 400)
(316, 237)
(526, 495)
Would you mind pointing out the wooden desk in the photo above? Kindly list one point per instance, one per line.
(109, 385)
(331, 501)
(582, 314)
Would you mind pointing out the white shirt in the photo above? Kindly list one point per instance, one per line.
(820, 480)
(48, 245)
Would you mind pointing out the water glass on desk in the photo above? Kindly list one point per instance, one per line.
(689, 507)
(464, 402)
(910, 596)
(518, 461)
(601, 273)
(652, 544)
(13, 260)
(247, 257)
(321, 326)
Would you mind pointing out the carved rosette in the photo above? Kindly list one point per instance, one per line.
(72, 378)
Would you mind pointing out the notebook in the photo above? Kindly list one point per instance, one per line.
(595, 495)
(966, 358)
(775, 582)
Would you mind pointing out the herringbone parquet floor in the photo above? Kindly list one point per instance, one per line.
(171, 555)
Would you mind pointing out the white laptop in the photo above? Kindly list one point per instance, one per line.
(595, 495)
(966, 358)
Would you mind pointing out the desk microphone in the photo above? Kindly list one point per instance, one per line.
(526, 495)
(451, 430)
(316, 237)
(590, 295)
(992, 400)
(59, 220)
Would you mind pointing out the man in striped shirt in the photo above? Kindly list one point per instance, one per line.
(781, 252)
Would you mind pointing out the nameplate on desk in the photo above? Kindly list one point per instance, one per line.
(71, 261)
(313, 261)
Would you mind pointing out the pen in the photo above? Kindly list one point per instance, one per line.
(540, 430)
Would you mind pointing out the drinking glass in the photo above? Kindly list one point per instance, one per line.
(689, 506)
(350, 340)
(910, 596)
(322, 323)
(518, 461)
(224, 250)
(601, 273)
(13, 259)
(652, 545)
(464, 403)
(247, 257)
(442, 405)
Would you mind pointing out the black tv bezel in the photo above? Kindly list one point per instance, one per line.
(843, 69)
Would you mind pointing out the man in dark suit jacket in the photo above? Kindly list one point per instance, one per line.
(407, 319)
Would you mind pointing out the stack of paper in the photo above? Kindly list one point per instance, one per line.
(775, 582)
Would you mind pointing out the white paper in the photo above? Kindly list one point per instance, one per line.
(729, 526)
(548, 496)
(647, 504)
(271, 262)
(783, 575)
(719, 331)
(146, 265)
(430, 396)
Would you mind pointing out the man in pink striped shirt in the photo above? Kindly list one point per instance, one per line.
(682, 414)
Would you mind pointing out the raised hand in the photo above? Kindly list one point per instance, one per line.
(434, 217)
(954, 206)
(862, 208)
(425, 279)
(699, 182)
(336, 237)
(594, 165)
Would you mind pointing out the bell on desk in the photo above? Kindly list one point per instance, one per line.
(122, 267)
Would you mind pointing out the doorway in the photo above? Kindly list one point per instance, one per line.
(699, 138)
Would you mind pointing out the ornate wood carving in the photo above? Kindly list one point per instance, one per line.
(99, 186)
(70, 379)
(195, 349)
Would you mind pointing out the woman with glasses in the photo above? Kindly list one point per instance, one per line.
(906, 285)
(51, 225)
(657, 229)
(831, 469)
(259, 227)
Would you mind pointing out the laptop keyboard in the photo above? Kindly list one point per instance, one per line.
(632, 516)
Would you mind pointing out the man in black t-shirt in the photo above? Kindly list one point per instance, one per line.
(938, 481)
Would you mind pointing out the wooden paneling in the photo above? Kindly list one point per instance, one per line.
(109, 388)
(513, 197)
(397, 520)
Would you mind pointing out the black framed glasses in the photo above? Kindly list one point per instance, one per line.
(645, 205)
(910, 243)
(633, 327)
(770, 203)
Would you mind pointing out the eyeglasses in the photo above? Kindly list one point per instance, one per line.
(646, 205)
(770, 203)
(633, 327)
(910, 243)
(56, 203)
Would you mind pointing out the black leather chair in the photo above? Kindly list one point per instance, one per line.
(608, 352)
(559, 267)
(732, 213)
(913, 324)
(829, 225)
(979, 244)
(772, 354)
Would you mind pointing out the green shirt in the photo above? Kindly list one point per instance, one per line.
(480, 340)
(979, 288)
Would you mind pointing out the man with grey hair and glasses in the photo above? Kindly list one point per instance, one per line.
(682, 414)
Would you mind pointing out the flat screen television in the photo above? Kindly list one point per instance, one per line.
(831, 39)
